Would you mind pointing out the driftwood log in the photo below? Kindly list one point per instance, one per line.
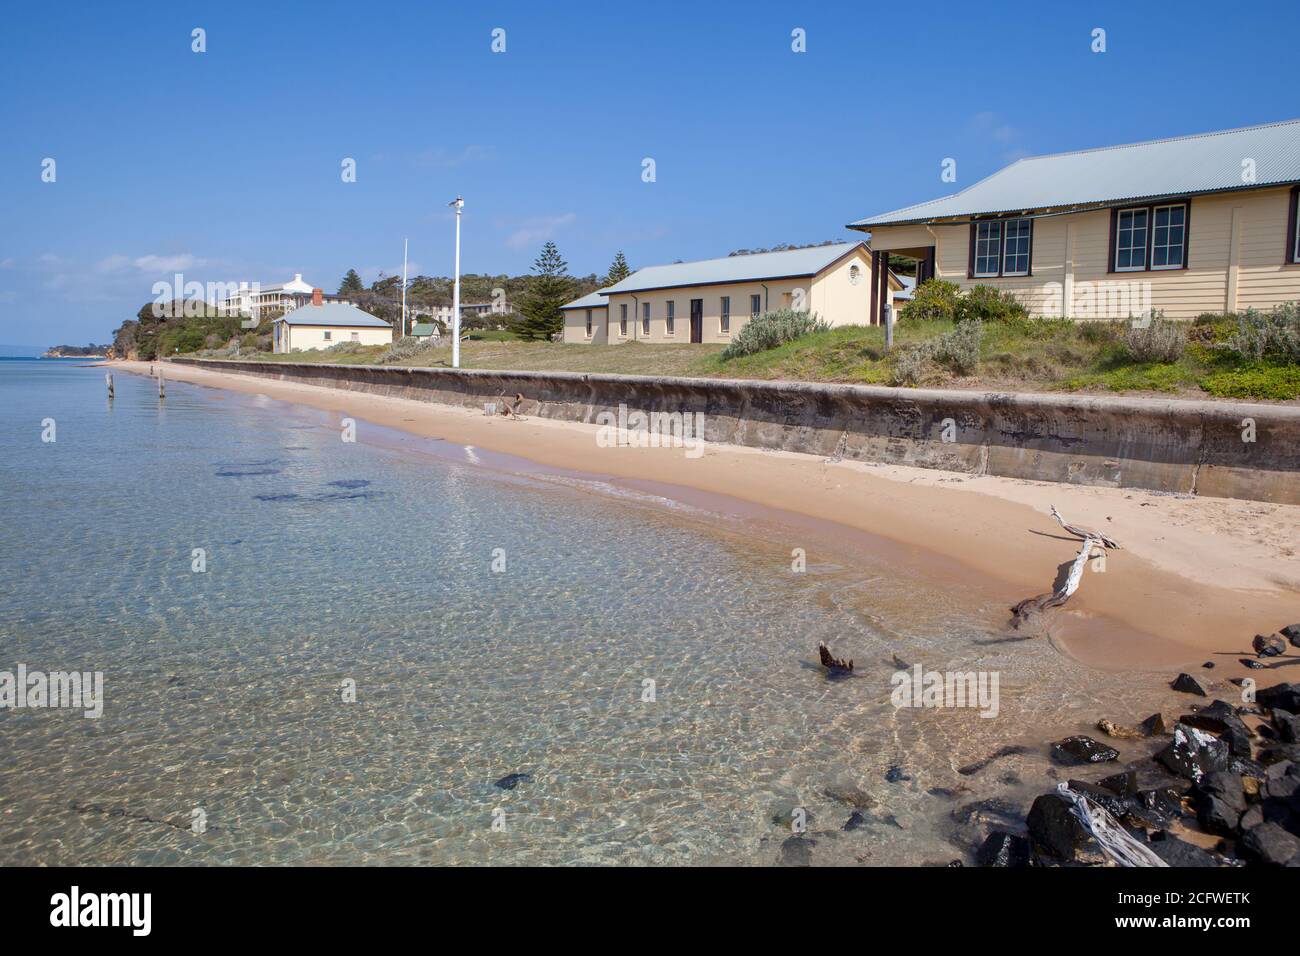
(1031, 609)
(832, 663)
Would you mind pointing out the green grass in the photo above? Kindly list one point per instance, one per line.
(1021, 355)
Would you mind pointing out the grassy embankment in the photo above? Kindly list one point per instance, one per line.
(1024, 355)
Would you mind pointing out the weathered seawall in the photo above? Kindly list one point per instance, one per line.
(1219, 449)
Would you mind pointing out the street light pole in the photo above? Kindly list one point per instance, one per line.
(455, 293)
(405, 245)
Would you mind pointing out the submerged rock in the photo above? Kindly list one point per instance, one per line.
(797, 850)
(896, 774)
(1053, 828)
(1154, 725)
(1081, 749)
(1001, 752)
(1004, 850)
(1292, 633)
(856, 819)
(852, 795)
(1190, 685)
(1122, 784)
(512, 780)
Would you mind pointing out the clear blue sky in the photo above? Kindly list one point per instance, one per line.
(227, 163)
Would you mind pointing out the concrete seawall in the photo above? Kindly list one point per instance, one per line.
(1191, 447)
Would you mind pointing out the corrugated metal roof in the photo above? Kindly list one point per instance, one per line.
(422, 328)
(336, 314)
(592, 300)
(1207, 162)
(791, 263)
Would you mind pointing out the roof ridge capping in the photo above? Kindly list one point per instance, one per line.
(1199, 167)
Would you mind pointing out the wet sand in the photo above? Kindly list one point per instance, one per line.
(1195, 580)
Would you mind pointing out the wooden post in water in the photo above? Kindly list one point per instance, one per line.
(108, 377)
(161, 391)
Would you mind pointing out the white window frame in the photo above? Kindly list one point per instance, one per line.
(622, 320)
(1146, 238)
(755, 305)
(1182, 246)
(1028, 236)
(724, 316)
(589, 323)
(645, 318)
(982, 242)
(670, 317)
(327, 335)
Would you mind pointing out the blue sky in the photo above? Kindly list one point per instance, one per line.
(226, 165)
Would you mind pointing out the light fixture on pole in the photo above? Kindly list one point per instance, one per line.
(455, 291)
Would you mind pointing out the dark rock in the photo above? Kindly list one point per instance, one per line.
(1154, 725)
(1215, 816)
(1194, 753)
(948, 792)
(1225, 786)
(856, 819)
(1123, 784)
(896, 774)
(1284, 696)
(1278, 753)
(1208, 665)
(512, 780)
(1082, 750)
(1252, 663)
(1003, 849)
(1269, 645)
(797, 851)
(1251, 818)
(1292, 633)
(1001, 752)
(1269, 844)
(854, 796)
(1178, 852)
(1190, 685)
(1053, 828)
(1288, 726)
(1219, 718)
(1163, 805)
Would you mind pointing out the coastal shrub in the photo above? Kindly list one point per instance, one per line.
(933, 299)
(1273, 382)
(771, 329)
(983, 303)
(404, 348)
(1101, 332)
(1273, 335)
(1156, 340)
(958, 351)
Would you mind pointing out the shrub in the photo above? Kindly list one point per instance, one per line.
(983, 303)
(1274, 335)
(958, 351)
(1158, 340)
(771, 329)
(406, 347)
(933, 299)
(1100, 332)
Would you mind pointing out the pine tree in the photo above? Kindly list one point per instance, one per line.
(351, 283)
(618, 271)
(539, 306)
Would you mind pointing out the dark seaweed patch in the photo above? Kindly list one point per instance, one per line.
(232, 473)
(349, 483)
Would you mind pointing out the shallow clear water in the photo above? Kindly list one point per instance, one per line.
(330, 562)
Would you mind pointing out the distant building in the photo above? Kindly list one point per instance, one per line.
(321, 325)
(426, 332)
(257, 300)
(711, 300)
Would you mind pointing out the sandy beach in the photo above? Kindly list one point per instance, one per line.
(1195, 580)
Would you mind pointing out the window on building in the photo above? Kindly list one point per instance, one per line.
(327, 335)
(645, 318)
(988, 248)
(1131, 240)
(724, 324)
(1168, 237)
(1015, 252)
(356, 336)
(755, 305)
(669, 315)
(589, 323)
(622, 319)
(1293, 239)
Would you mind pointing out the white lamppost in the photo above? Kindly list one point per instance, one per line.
(405, 244)
(455, 291)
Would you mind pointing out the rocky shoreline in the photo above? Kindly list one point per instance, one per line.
(1220, 787)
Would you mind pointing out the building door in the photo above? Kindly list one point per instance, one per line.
(697, 320)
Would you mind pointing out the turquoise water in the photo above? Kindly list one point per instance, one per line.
(371, 562)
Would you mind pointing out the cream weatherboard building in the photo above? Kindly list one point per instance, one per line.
(711, 300)
(321, 325)
(1204, 223)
